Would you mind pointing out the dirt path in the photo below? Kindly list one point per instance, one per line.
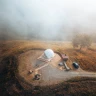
(41, 67)
(52, 75)
(50, 72)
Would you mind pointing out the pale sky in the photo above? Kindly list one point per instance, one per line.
(46, 17)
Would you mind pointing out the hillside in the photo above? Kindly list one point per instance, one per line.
(9, 84)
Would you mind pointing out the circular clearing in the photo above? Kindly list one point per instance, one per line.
(50, 73)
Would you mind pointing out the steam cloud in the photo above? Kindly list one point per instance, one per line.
(47, 19)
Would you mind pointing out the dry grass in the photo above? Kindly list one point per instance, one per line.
(78, 86)
(85, 58)
(74, 87)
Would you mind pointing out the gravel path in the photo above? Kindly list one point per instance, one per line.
(50, 72)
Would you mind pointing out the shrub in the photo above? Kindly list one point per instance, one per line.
(81, 40)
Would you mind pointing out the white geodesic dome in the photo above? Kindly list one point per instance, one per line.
(49, 53)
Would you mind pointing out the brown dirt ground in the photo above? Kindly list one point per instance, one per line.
(85, 58)
(50, 74)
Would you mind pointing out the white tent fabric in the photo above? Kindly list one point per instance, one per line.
(49, 53)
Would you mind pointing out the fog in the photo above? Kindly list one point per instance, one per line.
(46, 19)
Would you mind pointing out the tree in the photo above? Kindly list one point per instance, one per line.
(81, 40)
(76, 40)
(93, 36)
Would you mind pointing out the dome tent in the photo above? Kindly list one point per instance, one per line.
(49, 53)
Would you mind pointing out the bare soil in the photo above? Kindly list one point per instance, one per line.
(13, 86)
(50, 72)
